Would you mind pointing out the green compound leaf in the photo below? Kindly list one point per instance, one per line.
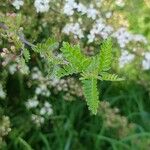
(90, 69)
(91, 94)
(26, 55)
(110, 77)
(65, 71)
(47, 46)
(93, 66)
(105, 55)
(74, 56)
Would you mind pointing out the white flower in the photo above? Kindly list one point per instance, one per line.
(73, 28)
(120, 3)
(81, 8)
(41, 5)
(46, 109)
(54, 81)
(42, 90)
(17, 3)
(99, 29)
(106, 31)
(108, 14)
(124, 37)
(91, 38)
(38, 120)
(32, 103)
(49, 111)
(43, 111)
(38, 90)
(92, 12)
(99, 2)
(46, 104)
(69, 7)
(36, 74)
(125, 58)
(12, 69)
(47, 93)
(24, 69)
(2, 93)
(146, 61)
(139, 38)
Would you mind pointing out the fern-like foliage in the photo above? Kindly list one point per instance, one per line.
(46, 50)
(74, 56)
(26, 55)
(90, 69)
(93, 66)
(105, 56)
(46, 46)
(91, 94)
(110, 77)
(65, 71)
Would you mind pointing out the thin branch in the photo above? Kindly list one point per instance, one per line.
(21, 36)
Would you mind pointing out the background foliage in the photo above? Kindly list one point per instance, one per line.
(41, 112)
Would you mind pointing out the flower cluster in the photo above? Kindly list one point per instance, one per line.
(113, 120)
(18, 3)
(146, 61)
(40, 111)
(73, 28)
(69, 86)
(12, 62)
(71, 6)
(42, 83)
(2, 93)
(37, 119)
(120, 3)
(39, 105)
(40, 5)
(4, 128)
(125, 58)
(99, 29)
(124, 37)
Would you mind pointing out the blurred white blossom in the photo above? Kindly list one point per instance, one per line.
(146, 61)
(17, 3)
(124, 37)
(37, 119)
(69, 7)
(92, 12)
(42, 90)
(125, 58)
(120, 3)
(81, 8)
(2, 93)
(32, 103)
(100, 29)
(24, 69)
(46, 109)
(41, 5)
(108, 14)
(36, 74)
(75, 29)
(12, 68)
(139, 38)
